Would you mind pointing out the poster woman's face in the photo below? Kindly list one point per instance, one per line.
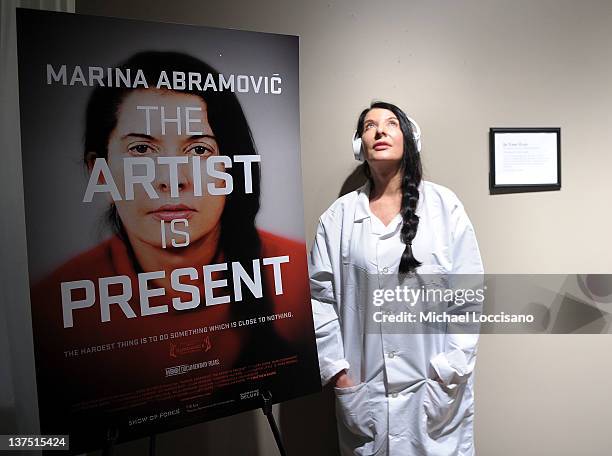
(142, 216)
(382, 136)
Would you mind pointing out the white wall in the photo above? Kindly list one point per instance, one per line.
(460, 67)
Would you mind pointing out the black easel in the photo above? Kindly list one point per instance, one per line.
(113, 434)
(111, 438)
(267, 410)
(152, 444)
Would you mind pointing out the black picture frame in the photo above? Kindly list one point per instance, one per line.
(497, 188)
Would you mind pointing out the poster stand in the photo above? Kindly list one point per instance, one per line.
(111, 438)
(152, 444)
(267, 410)
(112, 434)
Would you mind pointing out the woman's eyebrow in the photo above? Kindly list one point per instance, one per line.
(384, 120)
(138, 135)
(152, 138)
(196, 137)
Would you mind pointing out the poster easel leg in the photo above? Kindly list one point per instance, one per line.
(267, 410)
(111, 438)
(152, 444)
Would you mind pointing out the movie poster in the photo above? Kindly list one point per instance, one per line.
(164, 218)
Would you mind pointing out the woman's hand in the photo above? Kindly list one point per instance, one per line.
(437, 378)
(342, 380)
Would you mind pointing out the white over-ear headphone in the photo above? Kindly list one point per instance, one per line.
(358, 145)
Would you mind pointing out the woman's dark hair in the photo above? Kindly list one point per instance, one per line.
(412, 174)
(239, 238)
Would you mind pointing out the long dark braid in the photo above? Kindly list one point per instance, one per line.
(412, 174)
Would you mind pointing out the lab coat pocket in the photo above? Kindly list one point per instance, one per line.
(441, 405)
(353, 410)
(357, 286)
(433, 276)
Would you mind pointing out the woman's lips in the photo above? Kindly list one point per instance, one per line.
(381, 145)
(170, 212)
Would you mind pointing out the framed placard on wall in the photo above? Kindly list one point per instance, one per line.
(524, 160)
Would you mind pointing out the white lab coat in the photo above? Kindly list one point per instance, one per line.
(395, 407)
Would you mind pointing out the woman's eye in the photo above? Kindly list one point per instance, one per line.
(200, 149)
(141, 148)
(367, 127)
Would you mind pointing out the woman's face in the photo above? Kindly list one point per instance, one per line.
(382, 136)
(143, 215)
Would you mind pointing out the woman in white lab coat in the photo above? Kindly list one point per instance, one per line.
(397, 394)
